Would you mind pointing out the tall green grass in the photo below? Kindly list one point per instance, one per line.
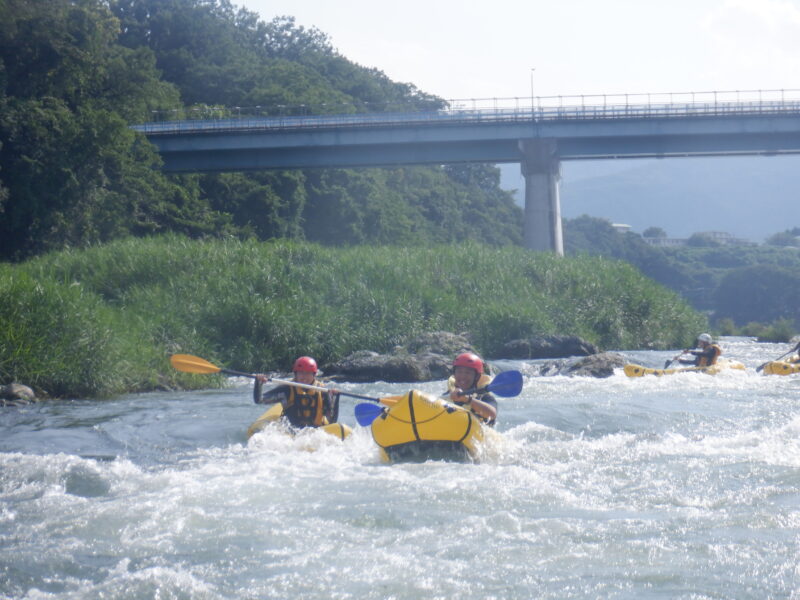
(104, 320)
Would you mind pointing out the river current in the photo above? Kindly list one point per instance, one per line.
(685, 486)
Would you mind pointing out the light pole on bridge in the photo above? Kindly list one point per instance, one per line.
(533, 103)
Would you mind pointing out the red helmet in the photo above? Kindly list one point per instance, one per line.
(471, 360)
(305, 363)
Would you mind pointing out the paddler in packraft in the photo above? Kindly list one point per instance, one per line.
(706, 353)
(302, 407)
(468, 374)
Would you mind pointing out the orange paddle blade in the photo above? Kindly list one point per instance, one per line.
(192, 364)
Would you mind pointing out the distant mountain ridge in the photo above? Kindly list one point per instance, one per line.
(750, 197)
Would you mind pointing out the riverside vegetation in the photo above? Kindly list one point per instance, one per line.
(116, 265)
(751, 290)
(103, 321)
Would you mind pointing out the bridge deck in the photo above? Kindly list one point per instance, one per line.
(584, 127)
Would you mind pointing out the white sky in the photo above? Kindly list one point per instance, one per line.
(459, 49)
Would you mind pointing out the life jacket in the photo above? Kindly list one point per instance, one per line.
(304, 407)
(707, 361)
(483, 381)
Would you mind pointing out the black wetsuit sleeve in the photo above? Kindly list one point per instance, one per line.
(332, 407)
(277, 394)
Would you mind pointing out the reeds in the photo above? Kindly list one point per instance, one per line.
(104, 320)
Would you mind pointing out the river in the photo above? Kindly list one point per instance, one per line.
(675, 487)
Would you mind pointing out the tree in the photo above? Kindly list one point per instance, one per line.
(789, 238)
(74, 74)
(701, 240)
(654, 232)
(763, 293)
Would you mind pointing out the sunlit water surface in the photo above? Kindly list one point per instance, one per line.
(675, 487)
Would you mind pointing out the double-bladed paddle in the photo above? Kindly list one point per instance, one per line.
(760, 368)
(506, 385)
(194, 364)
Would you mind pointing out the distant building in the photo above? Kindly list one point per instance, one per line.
(621, 227)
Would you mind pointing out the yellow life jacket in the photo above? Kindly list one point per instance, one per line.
(304, 407)
(705, 361)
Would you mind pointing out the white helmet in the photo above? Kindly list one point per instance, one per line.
(704, 337)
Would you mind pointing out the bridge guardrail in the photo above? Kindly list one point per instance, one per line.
(777, 102)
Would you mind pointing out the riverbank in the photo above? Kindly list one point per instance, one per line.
(103, 321)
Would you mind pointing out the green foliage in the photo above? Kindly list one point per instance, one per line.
(96, 321)
(58, 338)
(75, 74)
(770, 292)
(788, 238)
(697, 273)
(702, 240)
(780, 331)
(589, 235)
(654, 232)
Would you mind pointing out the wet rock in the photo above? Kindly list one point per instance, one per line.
(367, 366)
(16, 394)
(425, 358)
(440, 342)
(548, 346)
(597, 365)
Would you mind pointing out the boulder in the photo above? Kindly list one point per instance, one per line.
(16, 394)
(548, 346)
(597, 365)
(367, 366)
(425, 358)
(440, 342)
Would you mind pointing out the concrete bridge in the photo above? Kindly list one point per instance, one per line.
(538, 136)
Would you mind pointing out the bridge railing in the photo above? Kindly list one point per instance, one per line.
(498, 110)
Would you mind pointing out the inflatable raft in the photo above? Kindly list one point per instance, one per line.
(632, 370)
(417, 427)
(778, 367)
(274, 414)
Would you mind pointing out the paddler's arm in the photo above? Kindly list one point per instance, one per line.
(278, 394)
(479, 407)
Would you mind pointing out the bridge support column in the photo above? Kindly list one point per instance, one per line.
(542, 170)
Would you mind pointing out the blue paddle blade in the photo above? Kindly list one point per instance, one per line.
(507, 384)
(366, 413)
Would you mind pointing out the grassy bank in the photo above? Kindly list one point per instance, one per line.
(103, 321)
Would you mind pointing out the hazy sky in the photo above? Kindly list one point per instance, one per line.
(462, 49)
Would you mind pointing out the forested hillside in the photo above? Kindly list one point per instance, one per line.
(74, 74)
(735, 284)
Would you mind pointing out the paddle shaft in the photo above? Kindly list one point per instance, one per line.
(323, 389)
(237, 373)
(194, 364)
(672, 360)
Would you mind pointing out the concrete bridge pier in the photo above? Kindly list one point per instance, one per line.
(542, 170)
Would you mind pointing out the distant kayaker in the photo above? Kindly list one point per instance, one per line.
(705, 355)
(468, 374)
(303, 407)
(795, 359)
